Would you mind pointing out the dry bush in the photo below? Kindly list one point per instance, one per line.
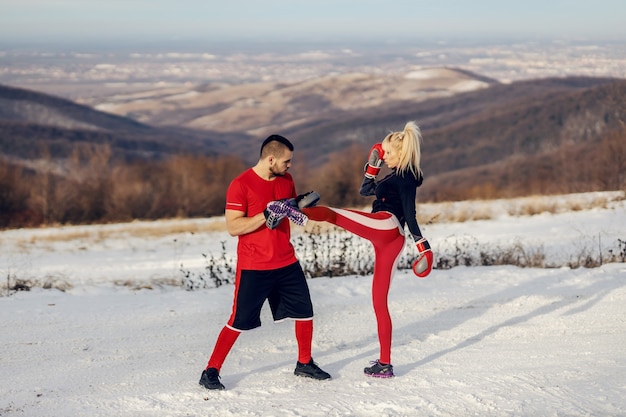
(182, 186)
(331, 252)
(14, 284)
(469, 212)
(534, 206)
(135, 191)
(151, 284)
(472, 210)
(338, 181)
(572, 167)
(612, 161)
(89, 188)
(455, 212)
(13, 195)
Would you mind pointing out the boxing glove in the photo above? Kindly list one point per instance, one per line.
(374, 161)
(424, 263)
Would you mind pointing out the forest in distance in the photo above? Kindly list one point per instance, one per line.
(541, 137)
(93, 190)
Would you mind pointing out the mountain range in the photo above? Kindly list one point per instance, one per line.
(474, 127)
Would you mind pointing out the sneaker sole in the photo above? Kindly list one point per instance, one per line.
(303, 375)
(213, 388)
(378, 376)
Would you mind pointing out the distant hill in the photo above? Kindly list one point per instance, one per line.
(31, 121)
(24, 106)
(475, 131)
(519, 138)
(445, 121)
(262, 108)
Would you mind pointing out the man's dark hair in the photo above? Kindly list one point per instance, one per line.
(276, 138)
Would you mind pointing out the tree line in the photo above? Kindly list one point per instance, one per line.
(93, 187)
(89, 188)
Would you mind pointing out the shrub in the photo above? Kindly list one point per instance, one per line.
(333, 252)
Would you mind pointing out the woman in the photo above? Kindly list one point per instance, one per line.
(393, 207)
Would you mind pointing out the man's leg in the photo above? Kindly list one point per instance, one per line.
(210, 378)
(304, 337)
(305, 365)
(291, 299)
(223, 345)
(247, 303)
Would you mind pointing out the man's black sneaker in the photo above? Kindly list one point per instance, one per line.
(310, 370)
(379, 370)
(210, 379)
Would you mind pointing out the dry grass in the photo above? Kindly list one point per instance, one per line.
(149, 285)
(462, 211)
(427, 213)
(558, 204)
(325, 252)
(136, 229)
(12, 284)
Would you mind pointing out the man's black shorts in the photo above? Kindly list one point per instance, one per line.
(285, 289)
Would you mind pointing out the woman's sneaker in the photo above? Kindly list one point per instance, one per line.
(282, 208)
(379, 370)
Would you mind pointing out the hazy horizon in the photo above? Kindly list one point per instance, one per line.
(97, 69)
(148, 21)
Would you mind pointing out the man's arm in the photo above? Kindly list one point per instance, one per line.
(238, 224)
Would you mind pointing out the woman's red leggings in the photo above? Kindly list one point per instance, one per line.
(387, 237)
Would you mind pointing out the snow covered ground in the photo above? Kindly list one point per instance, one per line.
(123, 338)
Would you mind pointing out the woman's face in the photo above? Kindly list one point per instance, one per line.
(392, 158)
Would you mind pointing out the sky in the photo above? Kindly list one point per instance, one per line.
(296, 20)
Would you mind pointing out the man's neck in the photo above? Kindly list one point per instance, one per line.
(263, 172)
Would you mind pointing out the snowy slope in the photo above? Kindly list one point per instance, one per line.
(485, 341)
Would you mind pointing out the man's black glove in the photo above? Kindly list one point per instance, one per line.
(305, 200)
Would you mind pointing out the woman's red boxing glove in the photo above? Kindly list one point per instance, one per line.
(374, 161)
(424, 263)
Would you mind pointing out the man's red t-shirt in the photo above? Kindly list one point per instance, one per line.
(262, 249)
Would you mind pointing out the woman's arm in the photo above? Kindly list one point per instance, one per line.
(368, 187)
(407, 195)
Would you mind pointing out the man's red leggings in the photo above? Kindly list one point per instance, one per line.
(387, 237)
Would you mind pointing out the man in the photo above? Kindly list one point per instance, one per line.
(267, 268)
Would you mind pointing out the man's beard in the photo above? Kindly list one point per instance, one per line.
(277, 174)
